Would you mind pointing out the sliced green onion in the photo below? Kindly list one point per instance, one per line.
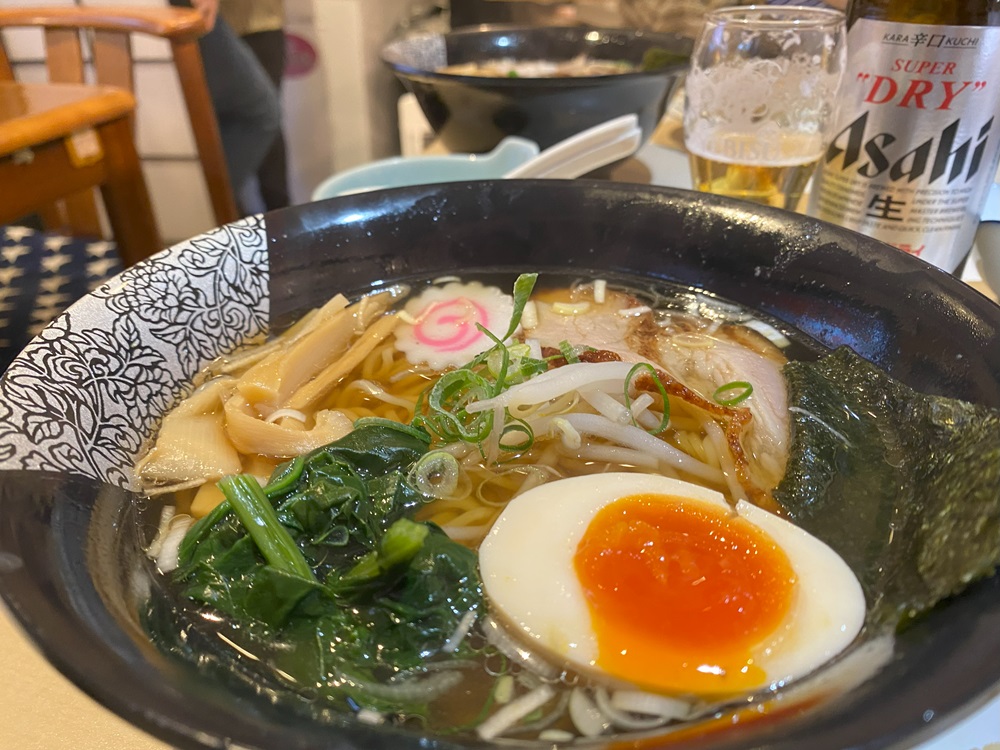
(632, 375)
(500, 376)
(521, 365)
(393, 425)
(525, 369)
(523, 287)
(569, 352)
(503, 689)
(743, 390)
(446, 415)
(533, 716)
(494, 362)
(435, 474)
(515, 426)
(441, 408)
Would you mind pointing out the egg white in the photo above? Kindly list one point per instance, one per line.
(528, 573)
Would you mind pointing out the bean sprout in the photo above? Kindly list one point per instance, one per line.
(505, 644)
(589, 720)
(510, 714)
(461, 630)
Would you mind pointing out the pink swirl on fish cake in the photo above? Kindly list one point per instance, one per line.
(450, 325)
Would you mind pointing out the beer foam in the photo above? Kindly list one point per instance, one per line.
(769, 112)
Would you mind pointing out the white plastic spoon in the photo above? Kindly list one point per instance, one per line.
(587, 150)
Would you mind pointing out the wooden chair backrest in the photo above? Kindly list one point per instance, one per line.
(108, 32)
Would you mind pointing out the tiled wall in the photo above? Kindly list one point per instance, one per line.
(339, 111)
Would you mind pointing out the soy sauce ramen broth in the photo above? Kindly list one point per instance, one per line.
(259, 657)
(577, 67)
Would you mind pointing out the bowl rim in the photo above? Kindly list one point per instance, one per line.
(540, 82)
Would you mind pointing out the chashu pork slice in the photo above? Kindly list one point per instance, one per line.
(711, 358)
(620, 323)
(702, 354)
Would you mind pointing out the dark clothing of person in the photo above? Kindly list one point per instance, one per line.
(272, 176)
(244, 98)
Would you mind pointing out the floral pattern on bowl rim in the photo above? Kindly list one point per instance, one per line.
(115, 361)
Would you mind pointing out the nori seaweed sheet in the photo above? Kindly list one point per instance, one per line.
(904, 486)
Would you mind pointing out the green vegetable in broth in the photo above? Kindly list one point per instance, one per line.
(326, 561)
(657, 58)
(904, 486)
(250, 504)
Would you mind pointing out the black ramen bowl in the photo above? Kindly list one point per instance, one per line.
(473, 113)
(78, 405)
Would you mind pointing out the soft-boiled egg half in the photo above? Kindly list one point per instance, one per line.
(659, 583)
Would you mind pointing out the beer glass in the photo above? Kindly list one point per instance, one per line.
(760, 100)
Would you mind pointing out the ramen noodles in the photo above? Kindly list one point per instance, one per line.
(538, 513)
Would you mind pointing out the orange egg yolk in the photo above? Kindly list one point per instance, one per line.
(681, 594)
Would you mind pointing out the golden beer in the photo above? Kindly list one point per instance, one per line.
(773, 171)
(778, 185)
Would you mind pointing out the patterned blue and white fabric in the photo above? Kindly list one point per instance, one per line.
(40, 276)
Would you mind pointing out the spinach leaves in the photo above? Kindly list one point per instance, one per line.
(327, 576)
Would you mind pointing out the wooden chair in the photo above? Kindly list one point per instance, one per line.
(58, 139)
(102, 36)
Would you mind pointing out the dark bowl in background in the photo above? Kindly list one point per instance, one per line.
(473, 113)
(78, 404)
